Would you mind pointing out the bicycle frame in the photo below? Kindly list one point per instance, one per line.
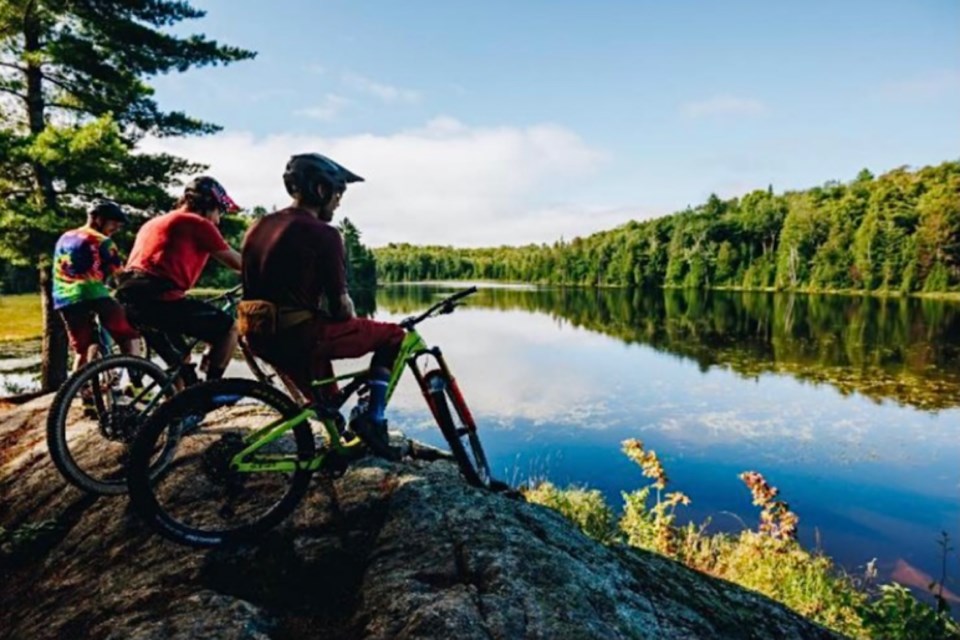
(412, 349)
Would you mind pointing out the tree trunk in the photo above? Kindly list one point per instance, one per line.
(53, 366)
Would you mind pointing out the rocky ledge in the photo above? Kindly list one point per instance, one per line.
(390, 550)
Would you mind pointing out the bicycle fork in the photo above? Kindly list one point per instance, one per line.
(433, 391)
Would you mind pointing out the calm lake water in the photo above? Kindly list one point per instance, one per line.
(851, 406)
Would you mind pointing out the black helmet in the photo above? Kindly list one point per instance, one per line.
(206, 193)
(108, 210)
(306, 170)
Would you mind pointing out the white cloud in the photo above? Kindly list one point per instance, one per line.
(924, 87)
(724, 105)
(443, 183)
(331, 106)
(385, 92)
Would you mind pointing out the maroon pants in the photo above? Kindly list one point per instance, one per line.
(82, 328)
(304, 351)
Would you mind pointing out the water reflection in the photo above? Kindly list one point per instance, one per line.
(905, 350)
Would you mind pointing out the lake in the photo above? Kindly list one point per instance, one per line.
(850, 405)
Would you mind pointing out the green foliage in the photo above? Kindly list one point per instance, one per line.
(897, 615)
(73, 75)
(876, 233)
(585, 508)
(361, 261)
(769, 560)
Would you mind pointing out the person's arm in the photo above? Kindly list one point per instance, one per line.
(110, 261)
(346, 310)
(229, 258)
(213, 243)
(334, 264)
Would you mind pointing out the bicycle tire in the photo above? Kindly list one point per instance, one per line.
(58, 442)
(154, 499)
(473, 464)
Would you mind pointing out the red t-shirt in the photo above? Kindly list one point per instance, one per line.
(176, 246)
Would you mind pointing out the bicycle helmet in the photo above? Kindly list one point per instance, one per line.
(204, 193)
(108, 210)
(306, 170)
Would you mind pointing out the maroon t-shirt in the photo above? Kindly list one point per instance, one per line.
(292, 259)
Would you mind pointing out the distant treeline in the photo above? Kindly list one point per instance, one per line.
(899, 232)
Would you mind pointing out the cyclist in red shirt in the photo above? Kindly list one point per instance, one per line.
(295, 288)
(167, 258)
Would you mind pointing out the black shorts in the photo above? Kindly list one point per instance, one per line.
(186, 316)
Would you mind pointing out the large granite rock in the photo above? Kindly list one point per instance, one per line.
(390, 550)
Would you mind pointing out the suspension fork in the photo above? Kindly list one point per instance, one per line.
(459, 403)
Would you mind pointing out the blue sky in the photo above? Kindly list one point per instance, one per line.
(513, 122)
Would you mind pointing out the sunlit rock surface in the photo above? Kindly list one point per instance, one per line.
(402, 550)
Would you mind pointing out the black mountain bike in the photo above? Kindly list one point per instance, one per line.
(98, 410)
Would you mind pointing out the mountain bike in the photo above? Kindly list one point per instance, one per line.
(247, 464)
(98, 410)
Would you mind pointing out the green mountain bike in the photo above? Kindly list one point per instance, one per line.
(246, 463)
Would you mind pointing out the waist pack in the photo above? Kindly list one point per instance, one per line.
(264, 318)
(256, 317)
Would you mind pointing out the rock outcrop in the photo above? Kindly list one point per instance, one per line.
(390, 550)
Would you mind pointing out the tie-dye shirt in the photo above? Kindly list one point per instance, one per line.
(82, 260)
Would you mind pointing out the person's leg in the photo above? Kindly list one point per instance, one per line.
(198, 319)
(114, 319)
(354, 338)
(78, 319)
(221, 351)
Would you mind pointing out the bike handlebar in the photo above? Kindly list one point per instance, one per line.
(444, 306)
(229, 294)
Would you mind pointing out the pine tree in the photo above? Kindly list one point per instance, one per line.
(74, 103)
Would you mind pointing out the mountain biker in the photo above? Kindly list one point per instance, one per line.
(297, 313)
(83, 259)
(167, 258)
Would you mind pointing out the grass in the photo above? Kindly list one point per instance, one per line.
(768, 560)
(22, 318)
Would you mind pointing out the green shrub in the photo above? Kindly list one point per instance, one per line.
(585, 508)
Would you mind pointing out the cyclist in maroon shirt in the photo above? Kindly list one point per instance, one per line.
(294, 271)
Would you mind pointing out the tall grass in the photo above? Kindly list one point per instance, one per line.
(768, 560)
(21, 315)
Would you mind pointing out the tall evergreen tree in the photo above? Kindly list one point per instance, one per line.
(74, 103)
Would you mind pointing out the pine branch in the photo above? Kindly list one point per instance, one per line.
(13, 93)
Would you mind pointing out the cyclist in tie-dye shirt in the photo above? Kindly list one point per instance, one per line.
(82, 261)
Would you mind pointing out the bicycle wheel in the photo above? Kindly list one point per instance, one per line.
(198, 499)
(458, 429)
(95, 416)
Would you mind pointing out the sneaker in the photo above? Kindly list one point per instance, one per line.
(374, 435)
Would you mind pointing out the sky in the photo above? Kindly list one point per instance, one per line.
(491, 123)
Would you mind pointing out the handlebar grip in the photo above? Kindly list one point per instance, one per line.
(462, 294)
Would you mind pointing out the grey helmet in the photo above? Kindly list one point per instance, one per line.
(306, 170)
